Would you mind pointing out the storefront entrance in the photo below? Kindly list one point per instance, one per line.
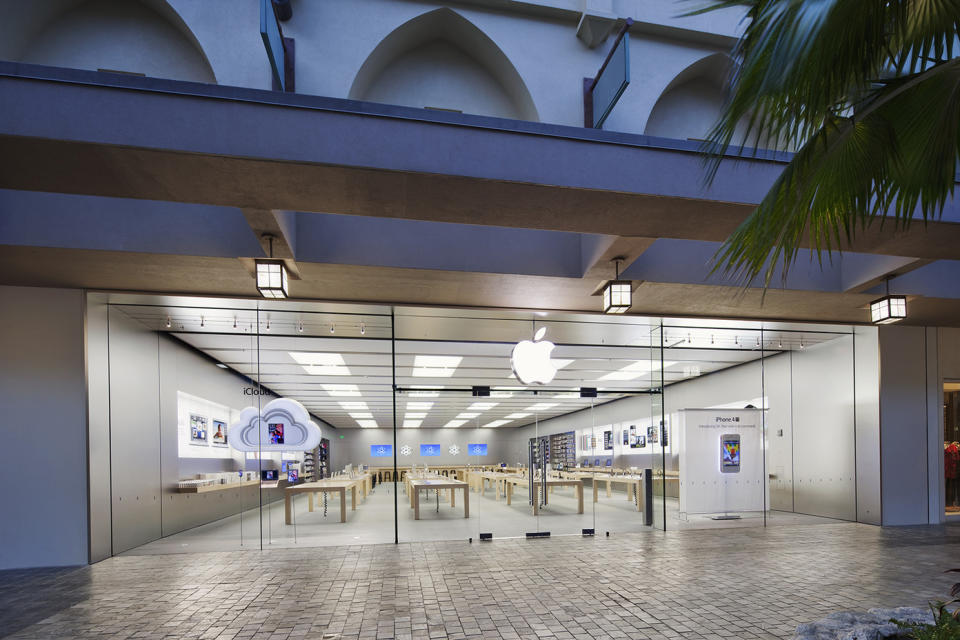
(248, 424)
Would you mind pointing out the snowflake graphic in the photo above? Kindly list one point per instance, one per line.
(454, 449)
(405, 450)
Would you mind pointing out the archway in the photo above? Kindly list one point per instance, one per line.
(442, 60)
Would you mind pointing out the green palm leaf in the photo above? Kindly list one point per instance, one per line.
(869, 94)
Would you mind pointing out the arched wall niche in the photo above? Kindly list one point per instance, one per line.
(440, 59)
(690, 105)
(139, 36)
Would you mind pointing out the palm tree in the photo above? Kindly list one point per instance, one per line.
(868, 93)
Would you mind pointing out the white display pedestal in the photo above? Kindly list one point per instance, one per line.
(704, 488)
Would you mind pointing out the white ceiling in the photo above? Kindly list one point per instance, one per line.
(596, 345)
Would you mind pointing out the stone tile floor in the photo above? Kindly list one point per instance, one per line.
(741, 583)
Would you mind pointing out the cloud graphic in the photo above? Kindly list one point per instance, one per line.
(256, 431)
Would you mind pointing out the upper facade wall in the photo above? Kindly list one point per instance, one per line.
(523, 61)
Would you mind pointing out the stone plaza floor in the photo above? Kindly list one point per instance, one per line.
(730, 583)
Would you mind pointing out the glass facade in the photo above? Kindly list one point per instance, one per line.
(245, 424)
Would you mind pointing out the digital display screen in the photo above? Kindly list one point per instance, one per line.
(730, 452)
(429, 450)
(477, 449)
(219, 432)
(269, 474)
(381, 450)
(292, 475)
(275, 429)
(198, 428)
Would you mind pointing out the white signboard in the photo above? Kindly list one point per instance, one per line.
(721, 461)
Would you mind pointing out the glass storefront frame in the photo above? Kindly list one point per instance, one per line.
(284, 320)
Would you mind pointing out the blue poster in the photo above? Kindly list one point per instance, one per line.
(477, 449)
(381, 450)
(429, 450)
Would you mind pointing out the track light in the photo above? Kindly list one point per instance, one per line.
(202, 322)
(168, 322)
(268, 324)
(333, 327)
(363, 328)
(234, 322)
(300, 327)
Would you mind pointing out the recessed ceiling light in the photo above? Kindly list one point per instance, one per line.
(435, 366)
(635, 370)
(517, 416)
(412, 424)
(468, 415)
(342, 390)
(482, 406)
(313, 357)
(425, 394)
(453, 424)
(541, 406)
(360, 415)
(419, 406)
(368, 424)
(354, 406)
(495, 423)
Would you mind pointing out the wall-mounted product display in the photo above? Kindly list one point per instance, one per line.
(381, 450)
(652, 436)
(198, 429)
(477, 449)
(428, 450)
(219, 435)
(203, 427)
(607, 440)
(282, 425)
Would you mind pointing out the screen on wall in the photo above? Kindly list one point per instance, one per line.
(477, 449)
(276, 432)
(608, 440)
(730, 453)
(381, 450)
(198, 428)
(429, 450)
(219, 432)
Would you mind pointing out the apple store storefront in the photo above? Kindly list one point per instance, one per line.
(230, 424)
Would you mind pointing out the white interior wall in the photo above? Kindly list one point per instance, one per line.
(44, 427)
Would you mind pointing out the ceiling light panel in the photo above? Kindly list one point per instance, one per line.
(542, 406)
(354, 406)
(342, 390)
(482, 406)
(496, 423)
(361, 416)
(411, 424)
(368, 424)
(453, 424)
(419, 406)
(468, 414)
(435, 366)
(518, 416)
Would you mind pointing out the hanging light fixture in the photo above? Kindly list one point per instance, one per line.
(271, 275)
(617, 293)
(888, 308)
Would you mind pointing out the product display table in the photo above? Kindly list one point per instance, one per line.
(416, 485)
(333, 485)
(479, 481)
(218, 487)
(577, 484)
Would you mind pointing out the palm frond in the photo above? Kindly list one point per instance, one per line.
(896, 154)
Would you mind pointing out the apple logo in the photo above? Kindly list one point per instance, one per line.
(531, 360)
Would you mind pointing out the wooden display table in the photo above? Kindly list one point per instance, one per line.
(331, 485)
(512, 481)
(218, 487)
(416, 485)
(480, 480)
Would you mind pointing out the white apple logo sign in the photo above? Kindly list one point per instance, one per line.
(531, 360)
